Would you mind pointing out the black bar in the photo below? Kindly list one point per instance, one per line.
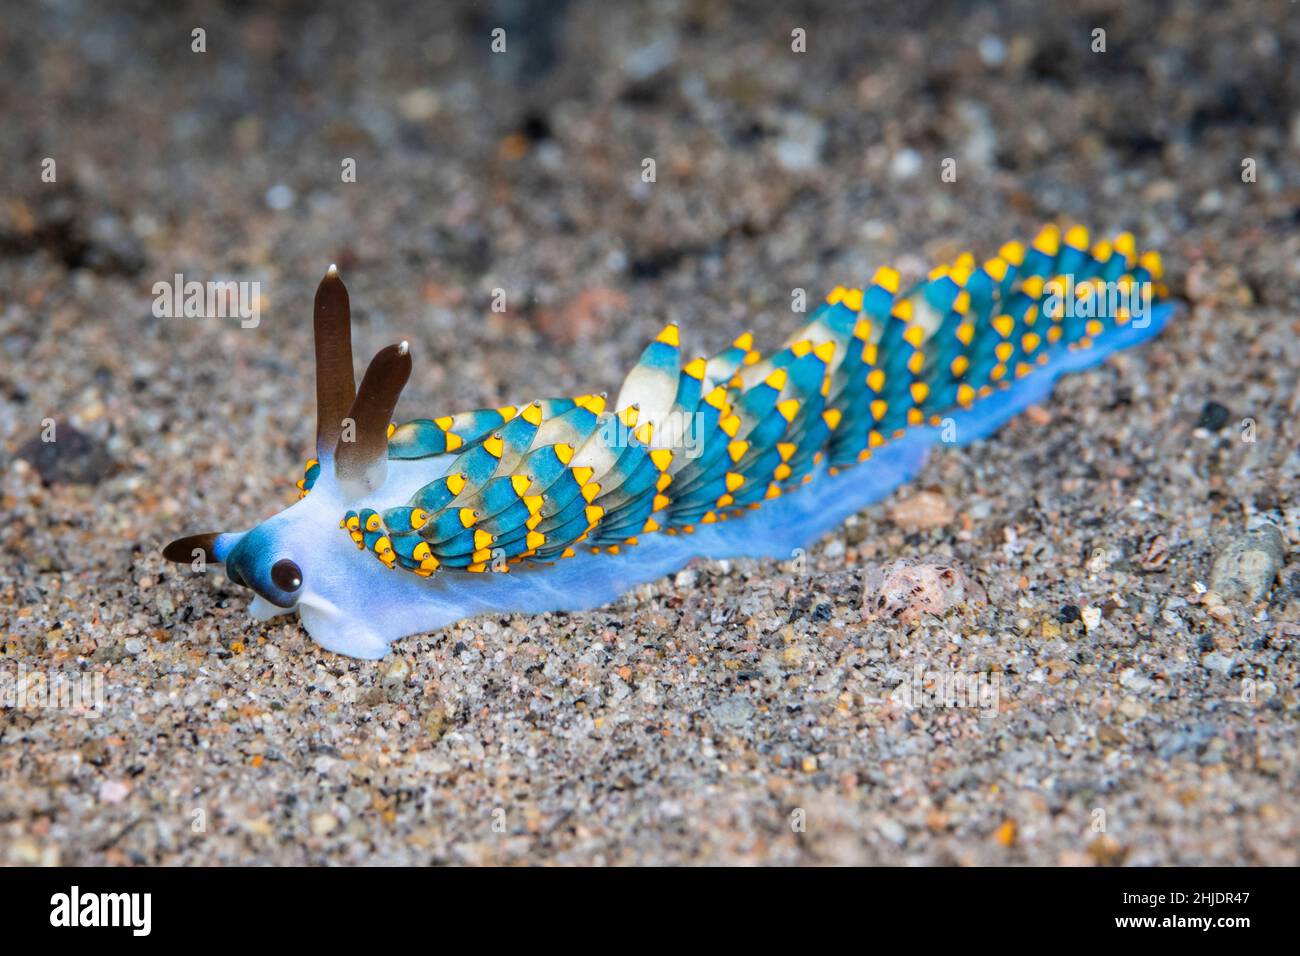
(333, 905)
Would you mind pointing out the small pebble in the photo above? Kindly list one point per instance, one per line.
(323, 824)
(732, 712)
(1135, 681)
(114, 791)
(435, 722)
(419, 104)
(397, 671)
(1213, 417)
(280, 197)
(1247, 565)
(906, 164)
(921, 511)
(1006, 833)
(1219, 663)
(799, 149)
(892, 831)
(1068, 614)
(992, 51)
(73, 457)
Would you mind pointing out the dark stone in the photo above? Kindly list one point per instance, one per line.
(1213, 417)
(1069, 614)
(535, 126)
(70, 227)
(73, 458)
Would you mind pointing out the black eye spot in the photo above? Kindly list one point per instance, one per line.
(286, 575)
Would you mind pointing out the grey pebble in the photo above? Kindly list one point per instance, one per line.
(1135, 681)
(892, 831)
(72, 458)
(1246, 566)
(732, 712)
(1220, 663)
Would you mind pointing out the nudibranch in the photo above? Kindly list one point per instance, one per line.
(565, 503)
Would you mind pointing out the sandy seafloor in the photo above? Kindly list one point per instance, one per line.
(690, 721)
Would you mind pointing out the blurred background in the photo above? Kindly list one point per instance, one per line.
(521, 170)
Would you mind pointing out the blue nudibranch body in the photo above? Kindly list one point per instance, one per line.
(564, 504)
